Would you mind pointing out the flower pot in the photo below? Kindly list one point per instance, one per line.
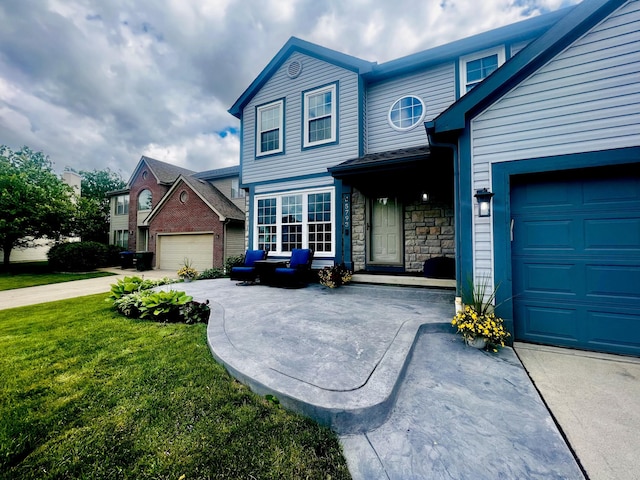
(478, 342)
(187, 279)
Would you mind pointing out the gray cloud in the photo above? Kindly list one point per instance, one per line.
(98, 84)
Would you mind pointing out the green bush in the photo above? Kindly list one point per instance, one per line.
(210, 273)
(133, 284)
(231, 262)
(77, 256)
(113, 255)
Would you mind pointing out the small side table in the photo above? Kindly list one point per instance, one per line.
(265, 269)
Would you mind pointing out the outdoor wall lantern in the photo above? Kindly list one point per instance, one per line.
(425, 197)
(484, 202)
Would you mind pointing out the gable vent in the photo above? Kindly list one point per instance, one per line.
(294, 69)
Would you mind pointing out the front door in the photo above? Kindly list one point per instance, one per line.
(385, 241)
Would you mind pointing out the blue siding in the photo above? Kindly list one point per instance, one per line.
(297, 162)
(436, 88)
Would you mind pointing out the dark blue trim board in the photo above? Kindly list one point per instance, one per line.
(501, 184)
(464, 212)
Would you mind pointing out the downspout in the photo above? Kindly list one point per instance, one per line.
(430, 129)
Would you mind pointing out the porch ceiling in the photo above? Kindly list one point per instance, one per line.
(404, 173)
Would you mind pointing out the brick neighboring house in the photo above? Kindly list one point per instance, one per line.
(177, 213)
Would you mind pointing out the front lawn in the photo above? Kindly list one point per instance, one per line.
(86, 393)
(22, 275)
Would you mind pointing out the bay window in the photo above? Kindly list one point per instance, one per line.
(295, 220)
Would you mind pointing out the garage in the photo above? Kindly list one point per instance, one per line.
(172, 250)
(575, 246)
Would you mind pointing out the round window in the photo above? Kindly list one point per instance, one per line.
(184, 196)
(406, 113)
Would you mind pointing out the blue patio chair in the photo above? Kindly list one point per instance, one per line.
(247, 272)
(297, 272)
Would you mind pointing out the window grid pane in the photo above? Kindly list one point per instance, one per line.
(291, 222)
(320, 129)
(319, 218)
(478, 70)
(267, 229)
(269, 141)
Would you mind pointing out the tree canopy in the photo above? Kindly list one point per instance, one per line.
(92, 222)
(34, 202)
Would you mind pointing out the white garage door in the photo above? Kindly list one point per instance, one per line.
(173, 249)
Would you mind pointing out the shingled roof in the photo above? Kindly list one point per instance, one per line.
(165, 173)
(214, 198)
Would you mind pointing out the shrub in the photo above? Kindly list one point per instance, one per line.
(77, 256)
(211, 273)
(113, 255)
(231, 262)
(133, 284)
(335, 276)
(196, 312)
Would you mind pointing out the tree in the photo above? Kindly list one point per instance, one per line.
(92, 221)
(34, 202)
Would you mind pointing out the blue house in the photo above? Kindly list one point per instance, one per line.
(335, 157)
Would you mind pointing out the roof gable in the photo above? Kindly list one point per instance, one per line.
(307, 48)
(566, 31)
(224, 208)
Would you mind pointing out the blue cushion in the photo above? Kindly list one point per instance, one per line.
(299, 256)
(252, 256)
(286, 271)
(243, 269)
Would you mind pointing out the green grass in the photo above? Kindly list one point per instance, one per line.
(31, 274)
(86, 393)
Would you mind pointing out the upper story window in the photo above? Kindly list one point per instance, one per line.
(320, 118)
(144, 200)
(475, 68)
(269, 126)
(122, 204)
(406, 113)
(236, 191)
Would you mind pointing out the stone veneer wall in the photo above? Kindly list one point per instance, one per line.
(358, 230)
(428, 232)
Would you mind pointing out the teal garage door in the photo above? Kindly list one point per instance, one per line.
(576, 258)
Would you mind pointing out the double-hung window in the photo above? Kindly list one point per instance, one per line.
(302, 219)
(475, 68)
(121, 238)
(269, 128)
(320, 118)
(122, 204)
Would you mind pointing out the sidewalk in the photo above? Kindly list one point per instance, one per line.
(62, 291)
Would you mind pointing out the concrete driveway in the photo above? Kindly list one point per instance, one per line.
(595, 398)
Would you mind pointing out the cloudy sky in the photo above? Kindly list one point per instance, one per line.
(97, 83)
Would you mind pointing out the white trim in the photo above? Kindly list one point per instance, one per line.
(475, 56)
(273, 105)
(305, 222)
(332, 115)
